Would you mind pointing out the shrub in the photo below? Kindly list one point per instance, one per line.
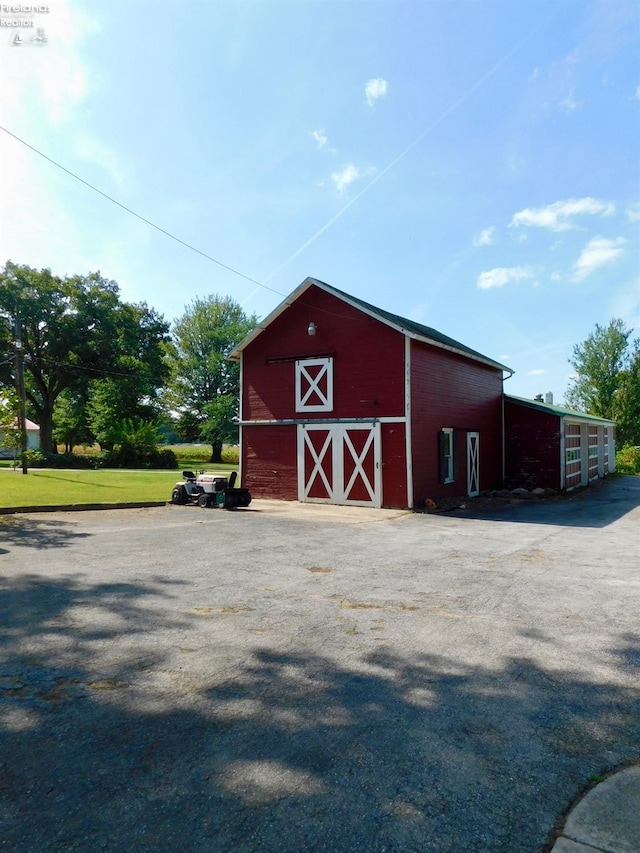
(127, 457)
(35, 458)
(39, 459)
(628, 460)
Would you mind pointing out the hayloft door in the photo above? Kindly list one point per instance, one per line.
(473, 464)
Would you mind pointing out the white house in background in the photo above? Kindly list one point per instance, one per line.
(33, 440)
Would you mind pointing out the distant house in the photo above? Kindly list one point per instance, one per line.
(553, 447)
(33, 441)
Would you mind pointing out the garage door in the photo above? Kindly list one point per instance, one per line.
(573, 456)
(339, 463)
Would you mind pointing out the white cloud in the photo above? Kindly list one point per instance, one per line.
(536, 372)
(51, 78)
(568, 104)
(555, 276)
(375, 88)
(557, 216)
(597, 253)
(633, 212)
(419, 312)
(48, 85)
(485, 237)
(320, 137)
(500, 276)
(93, 151)
(348, 175)
(637, 94)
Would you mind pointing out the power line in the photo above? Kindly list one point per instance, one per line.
(158, 228)
(139, 216)
(390, 165)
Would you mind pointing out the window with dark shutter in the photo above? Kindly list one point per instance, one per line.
(445, 446)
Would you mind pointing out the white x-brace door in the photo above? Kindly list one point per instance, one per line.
(473, 464)
(339, 463)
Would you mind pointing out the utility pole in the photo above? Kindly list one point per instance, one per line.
(22, 416)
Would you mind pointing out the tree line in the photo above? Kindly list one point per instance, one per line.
(94, 364)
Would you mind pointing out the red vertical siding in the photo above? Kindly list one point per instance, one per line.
(532, 447)
(394, 465)
(448, 390)
(269, 461)
(368, 361)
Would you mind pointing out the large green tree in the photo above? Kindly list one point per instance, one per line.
(205, 384)
(607, 380)
(627, 408)
(76, 330)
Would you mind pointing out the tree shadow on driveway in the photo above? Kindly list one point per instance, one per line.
(41, 533)
(284, 750)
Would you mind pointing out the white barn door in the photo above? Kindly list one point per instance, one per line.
(340, 464)
(473, 464)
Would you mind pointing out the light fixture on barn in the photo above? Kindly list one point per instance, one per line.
(312, 328)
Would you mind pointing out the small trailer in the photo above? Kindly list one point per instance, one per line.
(207, 490)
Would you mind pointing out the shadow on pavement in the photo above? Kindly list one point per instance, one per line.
(285, 751)
(596, 506)
(18, 530)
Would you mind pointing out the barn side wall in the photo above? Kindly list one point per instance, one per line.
(449, 391)
(532, 447)
(269, 463)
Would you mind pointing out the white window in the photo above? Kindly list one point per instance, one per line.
(314, 385)
(446, 445)
(573, 454)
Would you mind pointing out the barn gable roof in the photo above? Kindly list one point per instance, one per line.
(407, 327)
(560, 411)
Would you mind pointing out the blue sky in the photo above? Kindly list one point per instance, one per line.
(470, 165)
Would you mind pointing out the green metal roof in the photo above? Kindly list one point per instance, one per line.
(560, 411)
(405, 326)
(412, 327)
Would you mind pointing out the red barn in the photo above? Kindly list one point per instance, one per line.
(342, 402)
(553, 447)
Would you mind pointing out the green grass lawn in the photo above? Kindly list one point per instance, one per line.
(46, 486)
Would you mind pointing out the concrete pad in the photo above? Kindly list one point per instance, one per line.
(608, 818)
(325, 512)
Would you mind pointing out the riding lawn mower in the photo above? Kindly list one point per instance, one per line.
(207, 490)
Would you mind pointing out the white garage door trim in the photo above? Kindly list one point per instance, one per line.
(338, 447)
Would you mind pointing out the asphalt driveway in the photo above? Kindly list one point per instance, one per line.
(306, 678)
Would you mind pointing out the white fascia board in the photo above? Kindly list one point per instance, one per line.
(280, 309)
(306, 284)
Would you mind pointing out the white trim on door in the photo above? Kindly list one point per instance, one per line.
(473, 464)
(338, 442)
